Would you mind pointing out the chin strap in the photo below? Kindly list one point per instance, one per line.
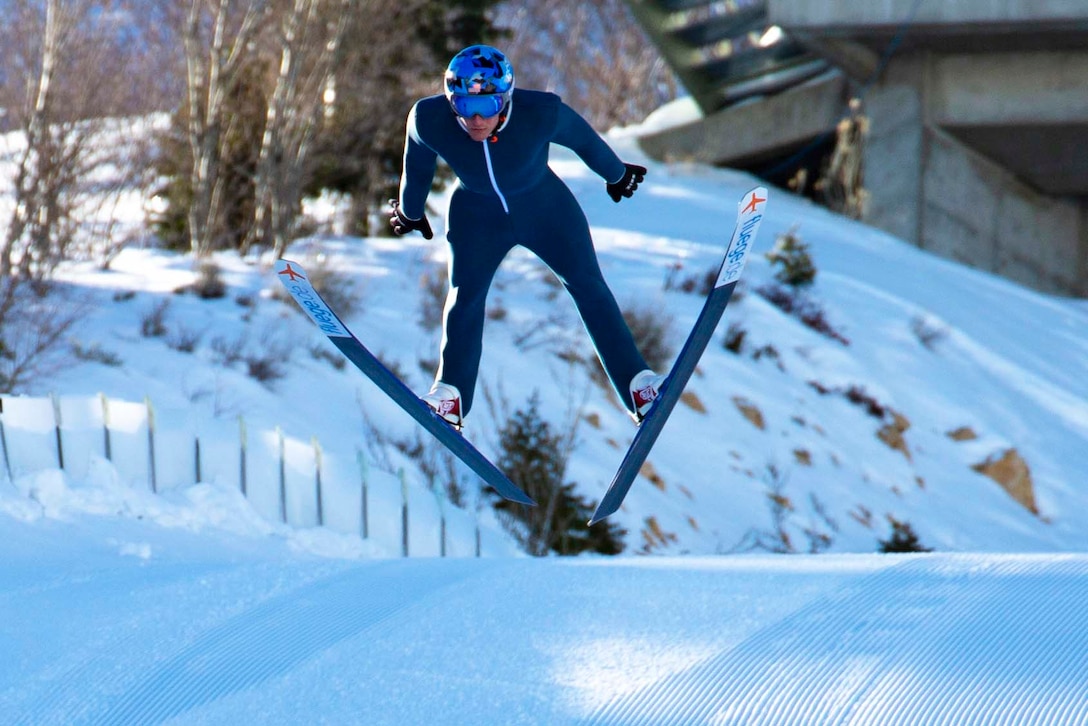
(502, 124)
(504, 116)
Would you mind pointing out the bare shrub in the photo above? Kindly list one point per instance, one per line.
(33, 330)
(498, 311)
(70, 163)
(734, 338)
(209, 283)
(153, 322)
(700, 283)
(265, 361)
(805, 309)
(184, 339)
(818, 532)
(856, 395)
(333, 357)
(549, 330)
(228, 351)
(432, 300)
(267, 366)
(95, 353)
(652, 330)
(776, 539)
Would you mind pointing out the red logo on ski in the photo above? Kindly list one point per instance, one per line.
(291, 273)
(755, 201)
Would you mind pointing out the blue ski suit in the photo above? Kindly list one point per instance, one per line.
(508, 196)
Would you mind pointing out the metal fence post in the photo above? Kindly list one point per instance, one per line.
(56, 430)
(196, 459)
(403, 511)
(243, 441)
(106, 444)
(317, 483)
(4, 444)
(364, 514)
(479, 544)
(441, 521)
(151, 445)
(283, 475)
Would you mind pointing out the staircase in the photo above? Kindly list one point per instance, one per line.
(724, 51)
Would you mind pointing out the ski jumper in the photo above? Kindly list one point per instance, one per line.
(508, 196)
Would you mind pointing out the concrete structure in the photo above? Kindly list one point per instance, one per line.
(718, 50)
(979, 124)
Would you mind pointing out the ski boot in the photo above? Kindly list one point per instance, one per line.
(446, 402)
(644, 389)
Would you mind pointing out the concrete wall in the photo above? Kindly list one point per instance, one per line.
(979, 125)
(883, 13)
(1009, 88)
(893, 175)
(754, 131)
(930, 189)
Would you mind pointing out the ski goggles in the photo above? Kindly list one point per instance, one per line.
(484, 105)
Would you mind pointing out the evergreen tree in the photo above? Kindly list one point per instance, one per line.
(791, 256)
(903, 539)
(535, 459)
(358, 151)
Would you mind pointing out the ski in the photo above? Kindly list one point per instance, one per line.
(749, 215)
(294, 278)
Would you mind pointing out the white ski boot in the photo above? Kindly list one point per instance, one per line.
(644, 389)
(446, 402)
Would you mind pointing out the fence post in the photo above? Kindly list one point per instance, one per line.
(4, 445)
(364, 514)
(56, 430)
(283, 475)
(196, 459)
(243, 441)
(107, 446)
(317, 483)
(441, 521)
(151, 445)
(479, 547)
(403, 511)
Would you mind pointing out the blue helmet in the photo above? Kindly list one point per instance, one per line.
(479, 81)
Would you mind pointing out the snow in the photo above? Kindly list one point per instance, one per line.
(159, 626)
(195, 604)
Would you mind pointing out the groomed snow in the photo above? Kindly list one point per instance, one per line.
(195, 606)
(151, 625)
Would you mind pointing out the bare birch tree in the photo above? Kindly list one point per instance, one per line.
(310, 42)
(593, 54)
(218, 36)
(55, 97)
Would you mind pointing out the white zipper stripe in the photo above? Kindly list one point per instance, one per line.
(491, 173)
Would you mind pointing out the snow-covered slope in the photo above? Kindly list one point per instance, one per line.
(122, 606)
(798, 440)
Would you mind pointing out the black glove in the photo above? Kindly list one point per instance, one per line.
(626, 186)
(402, 225)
